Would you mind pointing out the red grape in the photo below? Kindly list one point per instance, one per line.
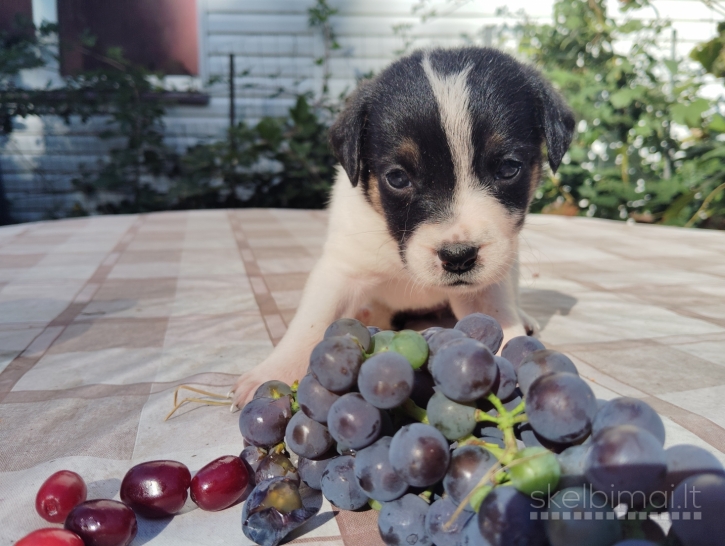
(103, 522)
(156, 489)
(220, 484)
(50, 537)
(59, 494)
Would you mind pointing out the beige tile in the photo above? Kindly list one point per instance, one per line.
(214, 329)
(43, 431)
(651, 367)
(288, 299)
(705, 401)
(148, 270)
(118, 366)
(183, 361)
(110, 334)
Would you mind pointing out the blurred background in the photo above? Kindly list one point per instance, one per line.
(145, 105)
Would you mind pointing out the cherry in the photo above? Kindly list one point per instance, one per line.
(103, 523)
(156, 489)
(220, 484)
(59, 494)
(50, 537)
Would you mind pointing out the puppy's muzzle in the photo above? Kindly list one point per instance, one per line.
(458, 258)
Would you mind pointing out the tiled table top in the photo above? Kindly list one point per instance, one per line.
(101, 318)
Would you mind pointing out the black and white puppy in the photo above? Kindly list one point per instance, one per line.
(441, 154)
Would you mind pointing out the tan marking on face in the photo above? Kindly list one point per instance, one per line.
(409, 151)
(535, 180)
(374, 193)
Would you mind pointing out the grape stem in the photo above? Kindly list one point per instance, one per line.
(375, 505)
(214, 399)
(416, 412)
(489, 478)
(426, 495)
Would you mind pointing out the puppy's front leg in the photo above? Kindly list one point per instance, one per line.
(330, 291)
(498, 300)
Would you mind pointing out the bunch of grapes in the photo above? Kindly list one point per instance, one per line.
(455, 445)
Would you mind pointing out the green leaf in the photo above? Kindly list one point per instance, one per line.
(717, 123)
(689, 114)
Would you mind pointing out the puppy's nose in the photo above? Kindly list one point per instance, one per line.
(458, 258)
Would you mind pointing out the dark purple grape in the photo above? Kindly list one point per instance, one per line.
(423, 388)
(505, 386)
(698, 510)
(465, 370)
(419, 454)
(156, 489)
(576, 516)
(453, 419)
(272, 389)
(354, 422)
(508, 518)
(103, 522)
(352, 328)
(627, 463)
(540, 363)
(275, 508)
(373, 330)
(468, 465)
(438, 515)
(428, 332)
(561, 407)
(311, 471)
(386, 380)
(571, 462)
(483, 328)
(441, 338)
(518, 348)
(471, 535)
(253, 455)
(375, 474)
(276, 465)
(339, 485)
(314, 399)
(263, 421)
(402, 521)
(637, 542)
(220, 484)
(307, 438)
(687, 460)
(629, 411)
(335, 362)
(531, 439)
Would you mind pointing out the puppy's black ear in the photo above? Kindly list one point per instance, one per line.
(346, 133)
(557, 120)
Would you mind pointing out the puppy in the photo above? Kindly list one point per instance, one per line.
(441, 154)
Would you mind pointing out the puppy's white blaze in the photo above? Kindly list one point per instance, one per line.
(451, 94)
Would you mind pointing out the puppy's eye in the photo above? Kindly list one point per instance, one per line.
(508, 169)
(398, 179)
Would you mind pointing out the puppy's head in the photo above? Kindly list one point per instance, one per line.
(447, 146)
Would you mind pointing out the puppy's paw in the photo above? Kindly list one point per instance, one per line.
(247, 384)
(531, 325)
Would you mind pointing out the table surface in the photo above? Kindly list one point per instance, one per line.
(101, 318)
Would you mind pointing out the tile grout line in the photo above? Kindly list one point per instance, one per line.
(273, 322)
(23, 363)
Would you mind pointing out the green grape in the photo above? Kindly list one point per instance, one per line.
(540, 474)
(381, 342)
(412, 346)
